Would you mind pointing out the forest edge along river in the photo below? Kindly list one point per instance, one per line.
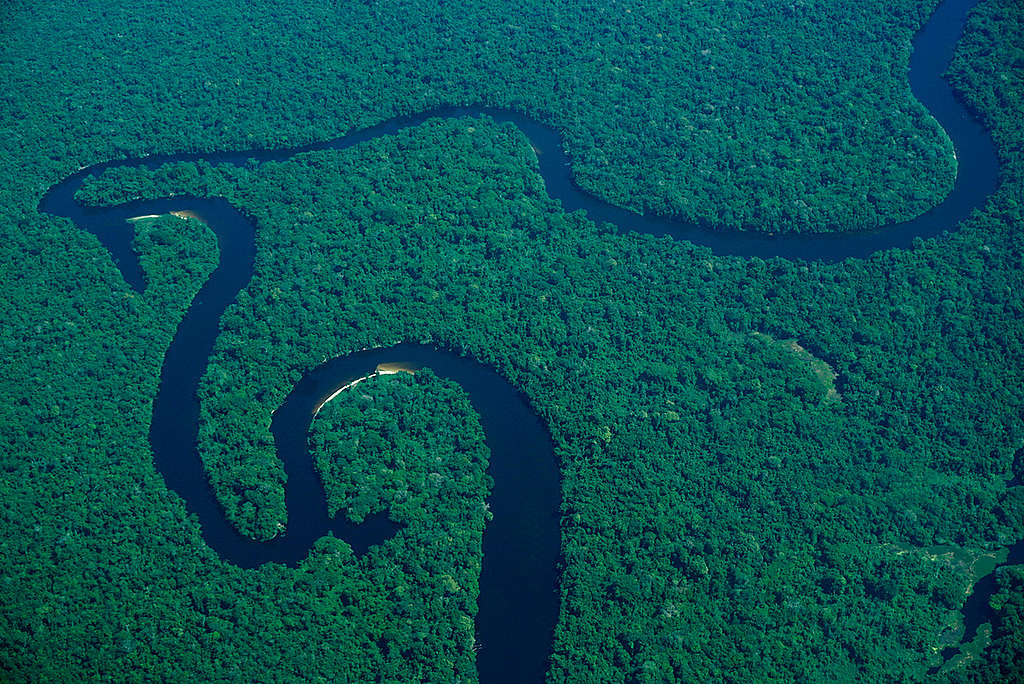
(518, 597)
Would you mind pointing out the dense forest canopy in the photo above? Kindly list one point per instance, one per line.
(413, 445)
(771, 115)
(765, 462)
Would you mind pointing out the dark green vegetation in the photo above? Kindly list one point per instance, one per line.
(402, 438)
(721, 112)
(176, 255)
(413, 445)
(1002, 662)
(629, 344)
(725, 512)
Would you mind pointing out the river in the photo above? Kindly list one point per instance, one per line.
(518, 604)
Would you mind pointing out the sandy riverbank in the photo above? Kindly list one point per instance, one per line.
(382, 369)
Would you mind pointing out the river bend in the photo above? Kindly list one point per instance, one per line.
(518, 602)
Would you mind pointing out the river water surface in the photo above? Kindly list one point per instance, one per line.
(518, 602)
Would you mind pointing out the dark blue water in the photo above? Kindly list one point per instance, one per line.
(976, 610)
(518, 602)
(977, 174)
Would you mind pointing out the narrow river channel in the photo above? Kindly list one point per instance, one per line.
(518, 601)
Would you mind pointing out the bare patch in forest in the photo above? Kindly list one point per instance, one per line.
(825, 376)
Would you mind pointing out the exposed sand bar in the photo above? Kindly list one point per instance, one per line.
(181, 213)
(396, 367)
(382, 369)
(188, 213)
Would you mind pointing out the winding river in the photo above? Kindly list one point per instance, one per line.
(518, 604)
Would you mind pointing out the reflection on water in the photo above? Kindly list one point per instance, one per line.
(189, 214)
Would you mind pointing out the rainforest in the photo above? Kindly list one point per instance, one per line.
(572, 342)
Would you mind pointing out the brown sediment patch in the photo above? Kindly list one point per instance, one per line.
(824, 373)
(396, 367)
(189, 214)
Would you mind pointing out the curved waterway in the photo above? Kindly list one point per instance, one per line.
(518, 601)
